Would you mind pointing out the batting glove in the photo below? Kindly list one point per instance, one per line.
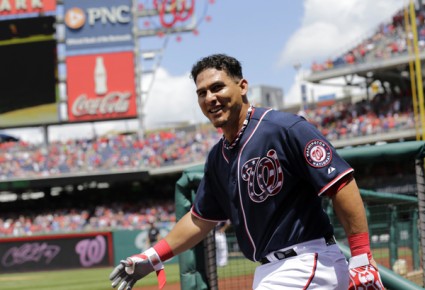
(363, 275)
(136, 267)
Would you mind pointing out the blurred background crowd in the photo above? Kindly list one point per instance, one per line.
(383, 114)
(110, 153)
(103, 217)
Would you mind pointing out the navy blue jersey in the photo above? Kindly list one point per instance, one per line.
(269, 186)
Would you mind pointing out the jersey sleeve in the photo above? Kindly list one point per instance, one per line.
(315, 158)
(206, 205)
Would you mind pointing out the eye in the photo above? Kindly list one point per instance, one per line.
(217, 88)
(201, 94)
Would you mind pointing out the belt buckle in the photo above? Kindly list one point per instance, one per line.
(280, 255)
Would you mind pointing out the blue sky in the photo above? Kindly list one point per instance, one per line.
(255, 32)
(268, 37)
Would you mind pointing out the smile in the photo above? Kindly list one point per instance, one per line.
(215, 110)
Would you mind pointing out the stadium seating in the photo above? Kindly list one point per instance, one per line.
(112, 153)
(388, 40)
(128, 216)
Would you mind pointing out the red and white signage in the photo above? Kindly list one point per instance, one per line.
(15, 7)
(101, 86)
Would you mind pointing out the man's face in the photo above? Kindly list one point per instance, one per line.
(220, 97)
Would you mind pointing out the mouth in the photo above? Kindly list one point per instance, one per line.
(214, 110)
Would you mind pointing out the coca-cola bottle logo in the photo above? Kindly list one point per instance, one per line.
(91, 251)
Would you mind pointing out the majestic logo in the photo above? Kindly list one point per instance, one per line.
(75, 18)
(264, 176)
(318, 153)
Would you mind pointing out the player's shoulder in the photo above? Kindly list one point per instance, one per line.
(279, 118)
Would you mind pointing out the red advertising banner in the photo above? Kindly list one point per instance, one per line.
(15, 7)
(101, 87)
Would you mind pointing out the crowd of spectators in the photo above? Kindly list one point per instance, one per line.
(384, 113)
(116, 152)
(104, 217)
(389, 40)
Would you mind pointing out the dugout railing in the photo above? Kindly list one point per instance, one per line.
(396, 221)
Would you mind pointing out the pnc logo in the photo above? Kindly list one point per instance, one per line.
(75, 18)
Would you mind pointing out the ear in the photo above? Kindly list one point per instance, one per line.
(243, 85)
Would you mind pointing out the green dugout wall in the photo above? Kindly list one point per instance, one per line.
(194, 265)
(198, 271)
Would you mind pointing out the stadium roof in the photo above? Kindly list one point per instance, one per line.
(384, 69)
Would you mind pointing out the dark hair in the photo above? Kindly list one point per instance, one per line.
(223, 62)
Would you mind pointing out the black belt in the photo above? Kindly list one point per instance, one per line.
(280, 255)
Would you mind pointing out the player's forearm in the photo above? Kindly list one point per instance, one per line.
(187, 233)
(349, 208)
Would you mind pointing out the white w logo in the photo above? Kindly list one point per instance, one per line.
(264, 176)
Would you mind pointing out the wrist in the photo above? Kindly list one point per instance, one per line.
(164, 250)
(359, 244)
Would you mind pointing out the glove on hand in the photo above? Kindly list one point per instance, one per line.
(363, 275)
(136, 267)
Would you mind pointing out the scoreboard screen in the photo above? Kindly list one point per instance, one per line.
(28, 72)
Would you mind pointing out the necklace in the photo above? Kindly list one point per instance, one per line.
(238, 137)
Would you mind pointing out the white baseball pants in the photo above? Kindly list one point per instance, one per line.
(316, 266)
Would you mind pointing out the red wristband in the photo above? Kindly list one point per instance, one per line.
(359, 244)
(163, 249)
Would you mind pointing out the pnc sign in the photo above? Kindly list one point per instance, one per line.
(75, 17)
(98, 24)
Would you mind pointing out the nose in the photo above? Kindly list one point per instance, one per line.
(210, 97)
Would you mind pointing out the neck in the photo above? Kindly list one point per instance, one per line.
(233, 133)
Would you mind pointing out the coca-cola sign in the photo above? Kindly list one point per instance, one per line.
(115, 102)
(101, 87)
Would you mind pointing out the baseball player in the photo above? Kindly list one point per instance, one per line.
(153, 233)
(267, 175)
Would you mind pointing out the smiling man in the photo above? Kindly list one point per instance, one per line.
(267, 175)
